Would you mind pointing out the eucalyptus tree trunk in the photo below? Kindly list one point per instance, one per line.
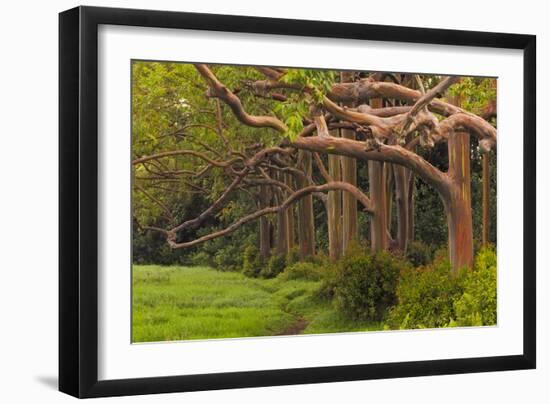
(282, 233)
(265, 236)
(411, 205)
(390, 184)
(489, 113)
(290, 216)
(457, 199)
(378, 194)
(306, 224)
(350, 230)
(457, 202)
(334, 210)
(486, 175)
(282, 226)
(403, 199)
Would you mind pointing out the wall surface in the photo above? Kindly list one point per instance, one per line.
(28, 213)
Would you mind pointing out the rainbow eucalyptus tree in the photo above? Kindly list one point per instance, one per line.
(318, 118)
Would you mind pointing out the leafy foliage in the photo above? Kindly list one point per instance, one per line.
(227, 258)
(425, 297)
(419, 253)
(274, 267)
(474, 92)
(251, 262)
(365, 284)
(431, 297)
(295, 109)
(293, 256)
(150, 247)
(478, 304)
(292, 111)
(302, 270)
(319, 81)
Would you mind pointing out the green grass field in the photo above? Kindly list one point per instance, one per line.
(181, 303)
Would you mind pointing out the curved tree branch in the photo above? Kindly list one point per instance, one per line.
(333, 186)
(194, 153)
(222, 92)
(390, 153)
(220, 202)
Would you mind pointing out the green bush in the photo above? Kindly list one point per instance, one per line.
(365, 284)
(251, 262)
(326, 290)
(274, 267)
(293, 256)
(431, 297)
(228, 258)
(302, 270)
(151, 248)
(419, 253)
(478, 304)
(440, 255)
(202, 258)
(425, 297)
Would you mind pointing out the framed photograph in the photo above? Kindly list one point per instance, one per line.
(251, 202)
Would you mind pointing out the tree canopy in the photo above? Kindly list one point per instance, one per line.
(226, 157)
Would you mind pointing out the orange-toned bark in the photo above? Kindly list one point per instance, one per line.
(458, 202)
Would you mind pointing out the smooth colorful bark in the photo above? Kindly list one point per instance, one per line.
(265, 236)
(306, 224)
(458, 202)
(350, 230)
(334, 211)
(486, 175)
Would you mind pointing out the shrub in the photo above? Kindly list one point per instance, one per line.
(326, 290)
(320, 258)
(152, 248)
(431, 297)
(202, 258)
(274, 267)
(419, 253)
(478, 304)
(441, 255)
(425, 297)
(302, 270)
(293, 256)
(251, 262)
(365, 284)
(228, 258)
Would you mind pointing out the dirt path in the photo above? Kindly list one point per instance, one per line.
(296, 328)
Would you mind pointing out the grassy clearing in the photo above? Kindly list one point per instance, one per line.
(181, 303)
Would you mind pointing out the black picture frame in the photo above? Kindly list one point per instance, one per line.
(78, 201)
